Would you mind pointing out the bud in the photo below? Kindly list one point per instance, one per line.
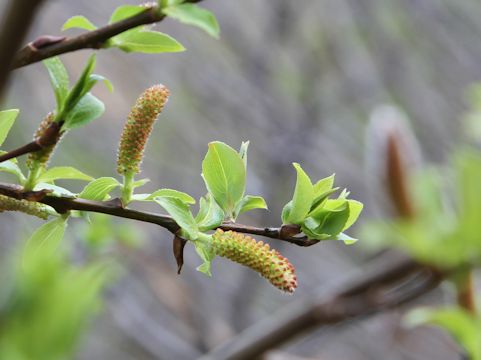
(138, 128)
(258, 256)
(42, 156)
(28, 207)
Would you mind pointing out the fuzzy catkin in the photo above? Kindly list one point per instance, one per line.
(42, 156)
(28, 207)
(258, 256)
(138, 128)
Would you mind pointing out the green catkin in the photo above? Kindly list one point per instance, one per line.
(41, 157)
(138, 127)
(258, 256)
(28, 207)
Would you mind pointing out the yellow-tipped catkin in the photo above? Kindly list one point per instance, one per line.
(138, 127)
(258, 256)
(41, 157)
(25, 206)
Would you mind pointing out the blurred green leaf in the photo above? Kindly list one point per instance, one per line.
(79, 22)
(180, 212)
(146, 41)
(11, 167)
(125, 11)
(243, 151)
(225, 175)
(98, 189)
(46, 237)
(87, 109)
(7, 118)
(203, 247)
(63, 172)
(297, 210)
(58, 78)
(192, 14)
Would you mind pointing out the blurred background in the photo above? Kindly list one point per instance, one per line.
(300, 80)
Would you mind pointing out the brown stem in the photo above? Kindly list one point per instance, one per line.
(94, 39)
(114, 207)
(465, 293)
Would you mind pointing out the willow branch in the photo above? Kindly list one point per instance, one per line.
(382, 288)
(47, 46)
(114, 207)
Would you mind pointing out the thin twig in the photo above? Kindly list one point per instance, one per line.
(380, 289)
(16, 21)
(94, 39)
(114, 207)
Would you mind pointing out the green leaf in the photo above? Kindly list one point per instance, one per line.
(11, 167)
(225, 175)
(47, 236)
(203, 247)
(58, 78)
(243, 151)
(324, 185)
(99, 188)
(210, 214)
(249, 203)
(124, 12)
(464, 327)
(95, 78)
(186, 198)
(302, 199)
(180, 212)
(78, 22)
(7, 118)
(146, 41)
(355, 208)
(81, 87)
(86, 110)
(192, 14)
(63, 172)
(346, 238)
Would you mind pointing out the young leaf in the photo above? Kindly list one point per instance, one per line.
(11, 167)
(249, 203)
(124, 12)
(355, 208)
(58, 78)
(56, 190)
(192, 14)
(324, 185)
(180, 212)
(63, 172)
(204, 249)
(243, 151)
(78, 22)
(302, 199)
(186, 198)
(225, 175)
(7, 118)
(47, 236)
(99, 188)
(146, 41)
(87, 109)
(210, 214)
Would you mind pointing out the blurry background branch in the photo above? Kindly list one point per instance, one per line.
(16, 21)
(378, 289)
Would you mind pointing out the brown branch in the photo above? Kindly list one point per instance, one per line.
(50, 137)
(114, 208)
(95, 39)
(383, 287)
(16, 21)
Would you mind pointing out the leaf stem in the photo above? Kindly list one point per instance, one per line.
(32, 176)
(127, 188)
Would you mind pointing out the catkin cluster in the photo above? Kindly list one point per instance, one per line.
(258, 256)
(25, 206)
(138, 127)
(42, 156)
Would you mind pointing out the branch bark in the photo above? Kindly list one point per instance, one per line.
(382, 288)
(114, 207)
(95, 39)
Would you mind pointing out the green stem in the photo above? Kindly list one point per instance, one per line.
(128, 188)
(33, 175)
